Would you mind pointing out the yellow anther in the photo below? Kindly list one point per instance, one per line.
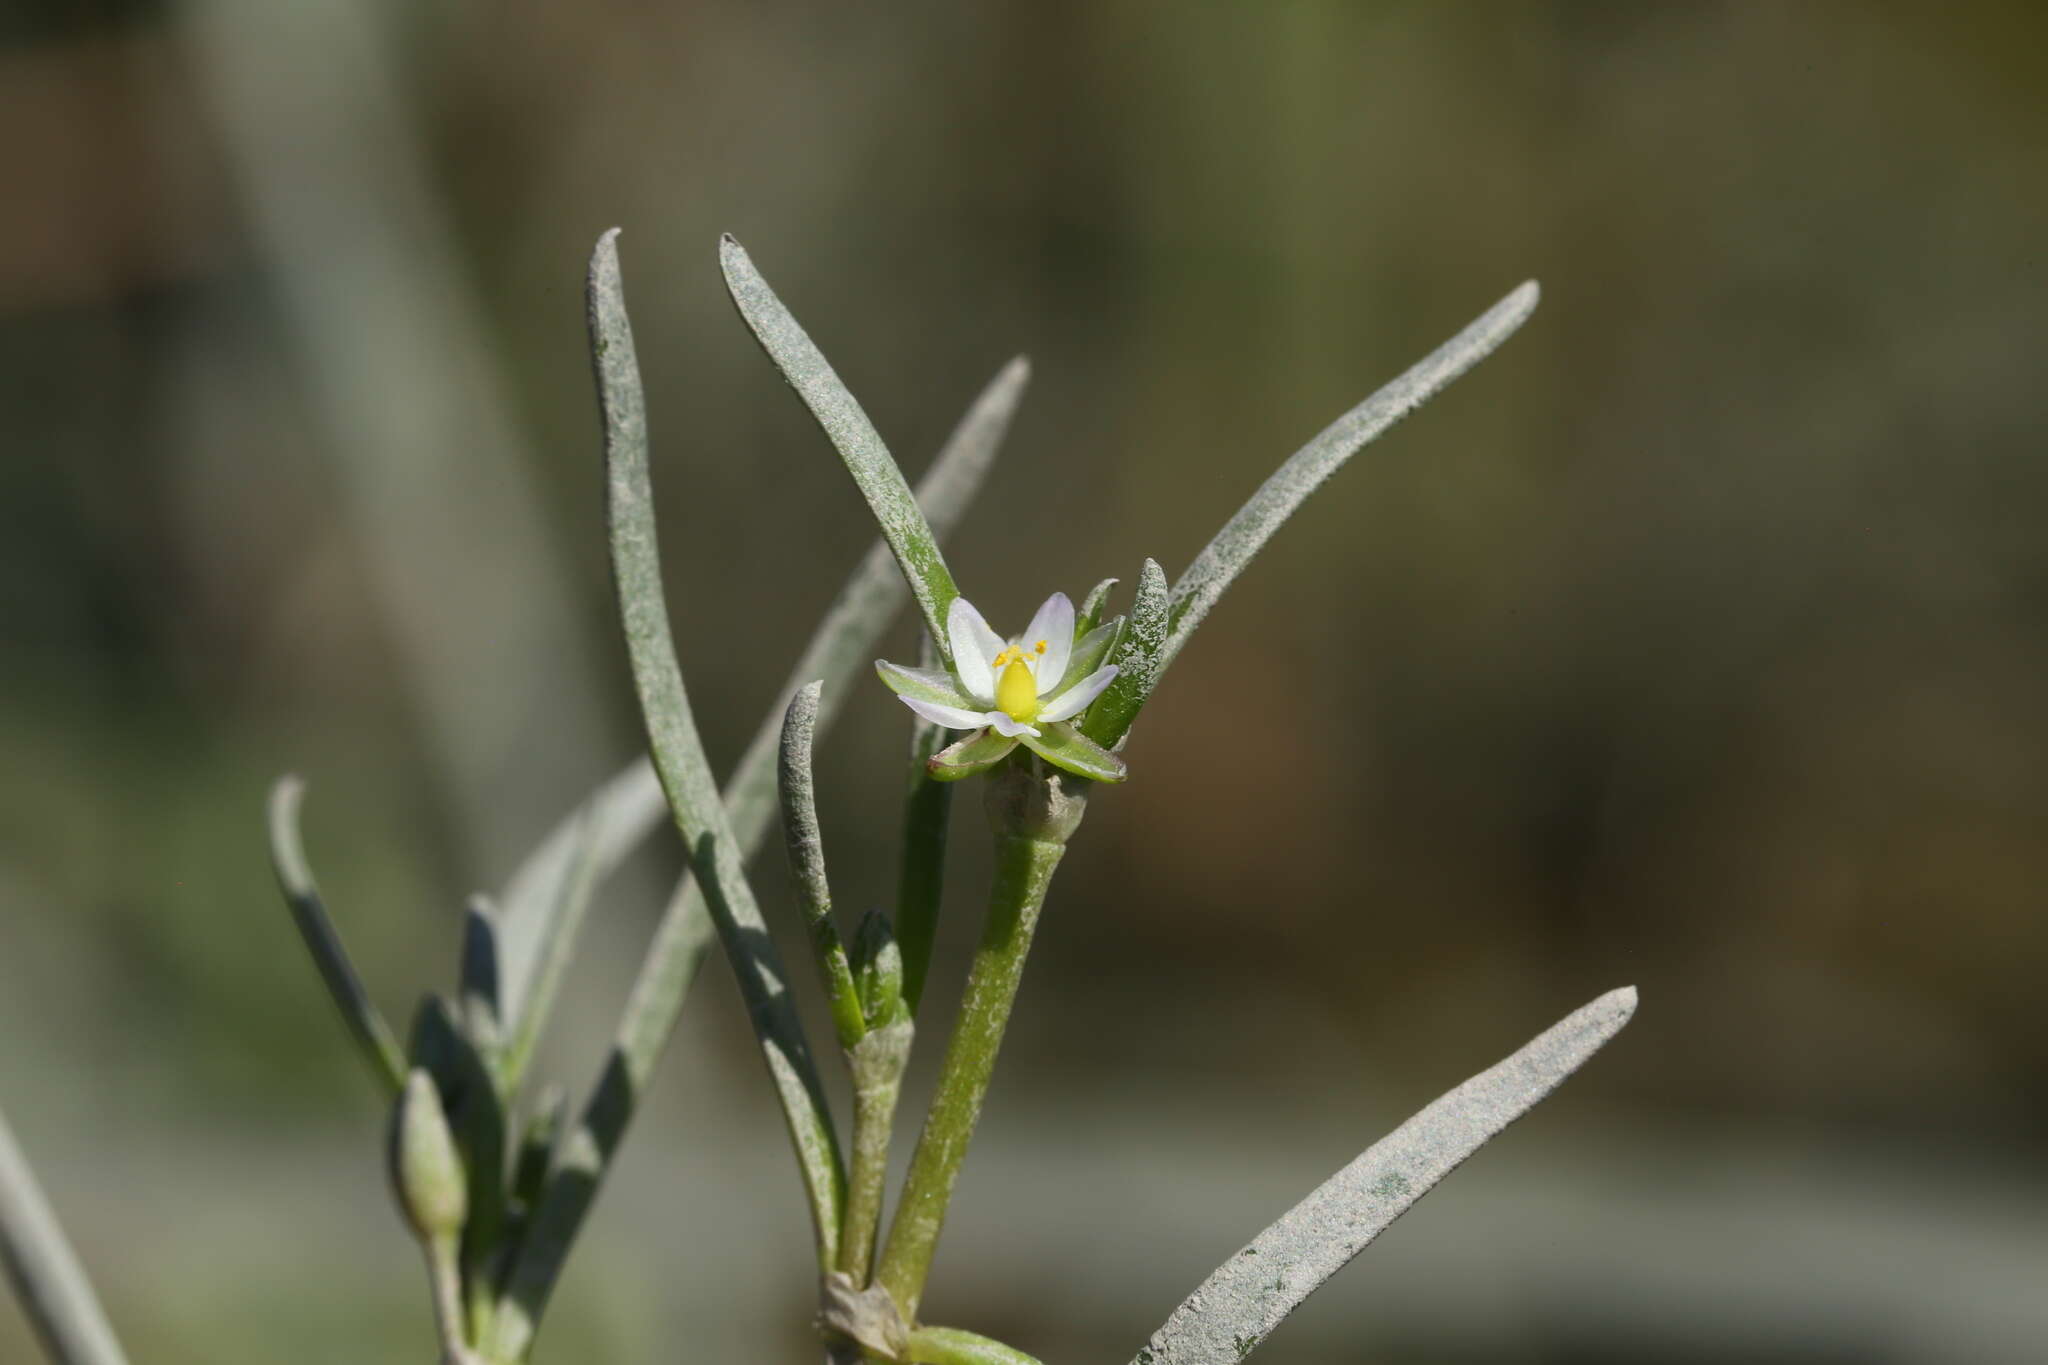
(1038, 648)
(1017, 690)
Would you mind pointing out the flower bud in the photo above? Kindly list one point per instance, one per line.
(878, 971)
(426, 1168)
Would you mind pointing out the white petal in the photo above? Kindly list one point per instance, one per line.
(1054, 624)
(1008, 728)
(974, 645)
(952, 717)
(1075, 699)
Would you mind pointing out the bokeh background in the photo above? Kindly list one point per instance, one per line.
(1699, 639)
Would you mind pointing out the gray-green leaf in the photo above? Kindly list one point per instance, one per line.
(851, 434)
(1247, 532)
(1252, 1292)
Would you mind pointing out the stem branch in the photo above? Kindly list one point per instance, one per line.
(1024, 868)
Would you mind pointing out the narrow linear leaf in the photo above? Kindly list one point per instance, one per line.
(1252, 1292)
(46, 1274)
(557, 947)
(479, 993)
(678, 754)
(807, 866)
(627, 808)
(585, 1151)
(373, 1037)
(921, 873)
(1137, 658)
(851, 433)
(1247, 532)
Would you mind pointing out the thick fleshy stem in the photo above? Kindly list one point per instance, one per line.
(1032, 811)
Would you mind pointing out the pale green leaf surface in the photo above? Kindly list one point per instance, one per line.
(1247, 532)
(1251, 1293)
(678, 751)
(47, 1276)
(852, 435)
(373, 1037)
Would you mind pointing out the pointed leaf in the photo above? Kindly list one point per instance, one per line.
(1247, 532)
(51, 1283)
(678, 753)
(1136, 657)
(1061, 745)
(977, 753)
(852, 435)
(373, 1037)
(479, 993)
(557, 947)
(806, 844)
(1252, 1292)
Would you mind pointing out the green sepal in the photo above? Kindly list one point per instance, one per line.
(1061, 745)
(977, 753)
(1091, 607)
(1089, 652)
(1138, 653)
(951, 1346)
(926, 684)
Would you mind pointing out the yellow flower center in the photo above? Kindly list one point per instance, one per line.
(1016, 688)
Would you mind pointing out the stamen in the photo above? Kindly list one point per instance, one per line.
(1039, 648)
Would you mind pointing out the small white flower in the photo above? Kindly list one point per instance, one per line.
(1011, 692)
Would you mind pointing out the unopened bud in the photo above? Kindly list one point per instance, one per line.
(878, 970)
(426, 1168)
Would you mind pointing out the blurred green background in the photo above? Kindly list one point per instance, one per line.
(1699, 639)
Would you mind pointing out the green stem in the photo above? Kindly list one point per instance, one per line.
(877, 1063)
(445, 1274)
(1024, 868)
